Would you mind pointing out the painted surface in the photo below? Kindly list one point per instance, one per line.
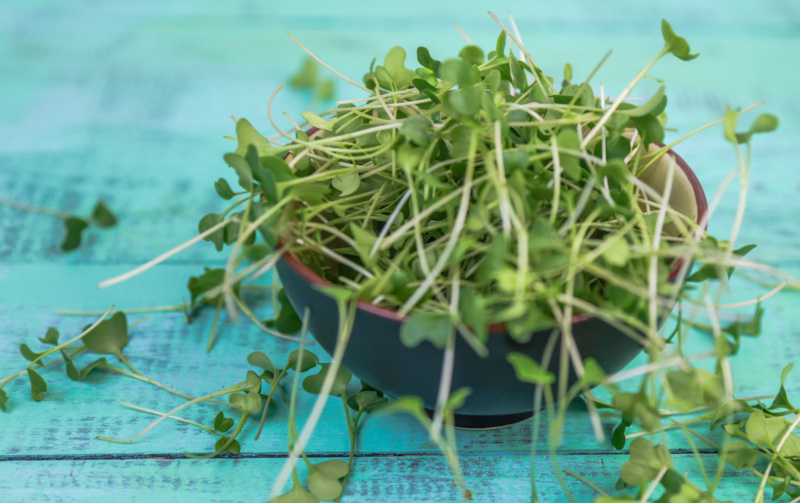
(128, 102)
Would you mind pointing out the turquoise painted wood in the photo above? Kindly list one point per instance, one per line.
(129, 102)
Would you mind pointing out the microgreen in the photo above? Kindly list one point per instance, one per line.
(74, 226)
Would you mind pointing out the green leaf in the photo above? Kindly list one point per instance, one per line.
(425, 59)
(222, 423)
(593, 374)
(74, 228)
(408, 405)
(368, 401)
(50, 337)
(109, 337)
(415, 128)
(618, 439)
(313, 193)
(69, 366)
(739, 455)
(394, 62)
(654, 106)
(347, 184)
(365, 240)
(323, 487)
(262, 361)
(248, 403)
(781, 400)
(619, 253)
(729, 124)
(28, 354)
(645, 462)
(270, 172)
(518, 77)
(456, 399)
(409, 157)
(472, 308)
(437, 328)
(248, 136)
(318, 122)
(223, 189)
(296, 495)
(309, 360)
(233, 446)
(334, 468)
(287, 321)
(3, 401)
(500, 46)
(97, 364)
(239, 164)
(765, 123)
(217, 237)
(458, 71)
(199, 285)
(568, 73)
(567, 139)
(615, 169)
(528, 369)
(674, 44)
(751, 327)
(542, 236)
(102, 216)
(306, 77)
(323, 479)
(466, 102)
(38, 385)
(313, 383)
(472, 54)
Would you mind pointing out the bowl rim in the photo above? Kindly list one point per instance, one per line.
(495, 328)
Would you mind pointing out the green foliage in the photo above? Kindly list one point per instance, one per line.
(109, 337)
(436, 328)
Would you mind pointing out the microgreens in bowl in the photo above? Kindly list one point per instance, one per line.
(477, 192)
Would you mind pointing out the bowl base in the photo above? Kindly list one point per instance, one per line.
(469, 422)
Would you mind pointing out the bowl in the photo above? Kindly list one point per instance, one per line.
(376, 354)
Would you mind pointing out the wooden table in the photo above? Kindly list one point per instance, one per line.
(128, 102)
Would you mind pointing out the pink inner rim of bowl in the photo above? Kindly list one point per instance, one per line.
(391, 314)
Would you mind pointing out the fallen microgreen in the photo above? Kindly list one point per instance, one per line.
(74, 226)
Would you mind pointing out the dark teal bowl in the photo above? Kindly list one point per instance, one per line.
(376, 355)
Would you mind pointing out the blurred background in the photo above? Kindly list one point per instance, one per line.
(129, 101)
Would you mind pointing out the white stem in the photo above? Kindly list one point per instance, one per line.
(326, 65)
(142, 268)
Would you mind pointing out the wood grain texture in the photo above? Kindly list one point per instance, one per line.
(413, 478)
(128, 102)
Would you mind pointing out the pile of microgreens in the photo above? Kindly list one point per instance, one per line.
(473, 191)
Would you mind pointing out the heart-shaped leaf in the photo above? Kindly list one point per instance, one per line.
(109, 337)
(308, 360)
(97, 364)
(313, 384)
(102, 216)
(74, 228)
(50, 337)
(72, 371)
(223, 189)
(38, 385)
(222, 423)
(262, 361)
(674, 44)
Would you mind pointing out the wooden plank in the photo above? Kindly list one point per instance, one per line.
(168, 350)
(390, 479)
